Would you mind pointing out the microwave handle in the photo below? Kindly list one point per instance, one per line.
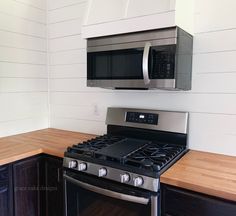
(109, 193)
(146, 50)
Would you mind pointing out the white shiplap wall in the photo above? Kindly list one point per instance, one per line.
(23, 70)
(211, 102)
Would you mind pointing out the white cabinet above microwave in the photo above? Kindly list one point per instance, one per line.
(109, 17)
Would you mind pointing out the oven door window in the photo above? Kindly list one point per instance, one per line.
(82, 201)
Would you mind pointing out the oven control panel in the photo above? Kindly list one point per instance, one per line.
(110, 173)
(142, 118)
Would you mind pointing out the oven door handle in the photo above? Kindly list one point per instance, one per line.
(105, 192)
(146, 51)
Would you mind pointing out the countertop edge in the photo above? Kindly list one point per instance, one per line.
(199, 189)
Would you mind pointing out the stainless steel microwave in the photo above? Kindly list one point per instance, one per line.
(155, 59)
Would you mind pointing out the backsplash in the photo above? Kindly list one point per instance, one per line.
(211, 102)
(23, 71)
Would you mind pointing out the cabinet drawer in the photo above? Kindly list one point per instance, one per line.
(179, 202)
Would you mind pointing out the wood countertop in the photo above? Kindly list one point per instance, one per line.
(203, 172)
(48, 141)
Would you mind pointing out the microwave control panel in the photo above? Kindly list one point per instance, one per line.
(163, 62)
(142, 118)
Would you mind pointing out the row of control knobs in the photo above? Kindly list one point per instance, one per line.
(102, 172)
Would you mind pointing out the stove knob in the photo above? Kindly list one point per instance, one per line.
(72, 164)
(82, 166)
(138, 181)
(102, 172)
(124, 177)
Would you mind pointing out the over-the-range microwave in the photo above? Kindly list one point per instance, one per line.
(154, 59)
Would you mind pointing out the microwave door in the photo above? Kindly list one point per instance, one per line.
(116, 68)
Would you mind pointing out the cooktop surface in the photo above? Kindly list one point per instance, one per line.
(141, 154)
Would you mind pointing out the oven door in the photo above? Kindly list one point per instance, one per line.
(88, 195)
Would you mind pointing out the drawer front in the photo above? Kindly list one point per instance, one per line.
(178, 202)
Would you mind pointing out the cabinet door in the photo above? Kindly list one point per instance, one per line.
(54, 186)
(27, 187)
(6, 200)
(179, 202)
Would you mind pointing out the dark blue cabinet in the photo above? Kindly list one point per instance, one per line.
(6, 204)
(180, 202)
(26, 181)
(54, 186)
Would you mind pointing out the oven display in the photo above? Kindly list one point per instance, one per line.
(142, 118)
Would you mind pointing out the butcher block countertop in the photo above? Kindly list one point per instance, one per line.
(48, 141)
(207, 173)
(203, 172)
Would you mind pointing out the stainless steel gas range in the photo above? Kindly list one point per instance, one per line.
(118, 173)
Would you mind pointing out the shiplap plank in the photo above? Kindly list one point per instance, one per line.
(16, 40)
(71, 27)
(14, 55)
(67, 43)
(68, 57)
(214, 15)
(68, 71)
(56, 4)
(8, 69)
(23, 11)
(214, 62)
(18, 126)
(93, 113)
(220, 83)
(23, 85)
(215, 41)
(74, 84)
(67, 13)
(84, 126)
(41, 4)
(14, 24)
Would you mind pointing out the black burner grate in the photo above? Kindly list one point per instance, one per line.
(150, 156)
(154, 156)
(90, 147)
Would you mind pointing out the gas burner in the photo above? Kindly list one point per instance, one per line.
(153, 156)
(88, 148)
